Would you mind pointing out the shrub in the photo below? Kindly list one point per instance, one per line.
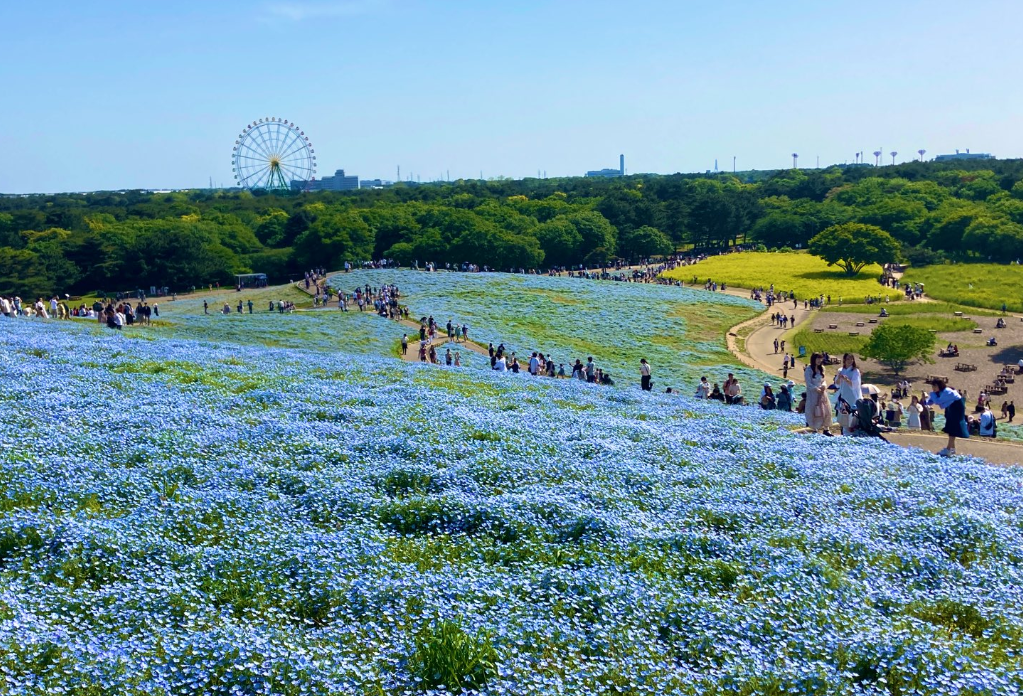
(445, 655)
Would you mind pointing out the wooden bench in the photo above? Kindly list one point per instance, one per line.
(931, 378)
(818, 330)
(832, 326)
(872, 321)
(854, 333)
(965, 367)
(958, 314)
(977, 331)
(860, 323)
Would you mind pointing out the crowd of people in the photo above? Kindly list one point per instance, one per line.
(113, 312)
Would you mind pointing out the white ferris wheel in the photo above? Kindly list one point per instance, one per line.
(270, 154)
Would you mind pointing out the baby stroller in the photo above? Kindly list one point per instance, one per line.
(866, 419)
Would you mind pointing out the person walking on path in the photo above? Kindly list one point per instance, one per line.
(818, 408)
(404, 344)
(205, 307)
(644, 372)
(849, 382)
(1012, 410)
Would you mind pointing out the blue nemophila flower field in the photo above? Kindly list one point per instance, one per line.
(679, 330)
(183, 516)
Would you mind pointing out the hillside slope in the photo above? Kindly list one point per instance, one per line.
(181, 516)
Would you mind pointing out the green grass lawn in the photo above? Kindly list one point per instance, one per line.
(834, 342)
(799, 272)
(912, 308)
(973, 284)
(935, 323)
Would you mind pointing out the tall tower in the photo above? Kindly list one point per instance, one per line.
(621, 165)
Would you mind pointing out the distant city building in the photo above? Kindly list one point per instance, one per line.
(338, 182)
(610, 173)
(964, 156)
(374, 183)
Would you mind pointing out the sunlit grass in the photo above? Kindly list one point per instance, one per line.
(805, 275)
(974, 284)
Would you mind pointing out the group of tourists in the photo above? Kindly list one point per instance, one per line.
(540, 365)
(858, 413)
(115, 314)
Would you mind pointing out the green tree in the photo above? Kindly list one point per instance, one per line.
(853, 245)
(898, 345)
(643, 242)
(994, 238)
(595, 229)
(561, 242)
(270, 227)
(333, 238)
(949, 225)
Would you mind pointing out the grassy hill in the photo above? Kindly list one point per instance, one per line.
(799, 272)
(184, 514)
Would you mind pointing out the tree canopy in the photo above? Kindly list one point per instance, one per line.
(970, 210)
(853, 245)
(897, 345)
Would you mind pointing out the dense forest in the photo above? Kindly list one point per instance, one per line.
(109, 241)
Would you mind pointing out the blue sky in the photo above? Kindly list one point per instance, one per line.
(105, 94)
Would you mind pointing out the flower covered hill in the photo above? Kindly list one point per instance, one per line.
(182, 517)
(680, 331)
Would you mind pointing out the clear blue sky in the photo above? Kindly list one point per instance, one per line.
(105, 94)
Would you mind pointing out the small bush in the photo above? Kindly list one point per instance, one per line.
(952, 616)
(445, 655)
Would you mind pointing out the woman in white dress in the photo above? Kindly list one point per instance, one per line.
(818, 408)
(850, 388)
(913, 412)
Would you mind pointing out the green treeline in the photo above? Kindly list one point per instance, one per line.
(122, 240)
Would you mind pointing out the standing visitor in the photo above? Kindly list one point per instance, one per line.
(205, 307)
(644, 372)
(404, 344)
(850, 390)
(591, 370)
(818, 408)
(1012, 410)
(954, 406)
(913, 412)
(448, 358)
(458, 359)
